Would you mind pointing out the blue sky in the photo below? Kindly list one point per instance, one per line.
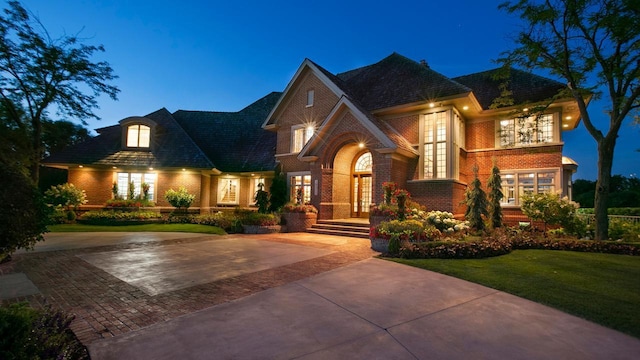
(223, 55)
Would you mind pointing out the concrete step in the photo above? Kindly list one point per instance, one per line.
(341, 228)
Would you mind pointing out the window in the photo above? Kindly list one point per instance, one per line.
(124, 181)
(435, 145)
(526, 130)
(364, 163)
(228, 190)
(255, 185)
(301, 186)
(301, 135)
(310, 95)
(138, 136)
(514, 185)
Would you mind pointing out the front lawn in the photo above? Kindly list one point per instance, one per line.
(602, 288)
(190, 228)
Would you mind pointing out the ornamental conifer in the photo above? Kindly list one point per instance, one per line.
(476, 201)
(495, 197)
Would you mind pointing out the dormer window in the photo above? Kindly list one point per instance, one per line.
(138, 136)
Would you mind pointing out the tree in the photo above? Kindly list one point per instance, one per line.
(23, 213)
(476, 201)
(57, 135)
(39, 73)
(594, 45)
(495, 197)
(278, 190)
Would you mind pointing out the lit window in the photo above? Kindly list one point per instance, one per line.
(364, 163)
(435, 145)
(514, 185)
(310, 95)
(138, 136)
(301, 135)
(228, 190)
(301, 188)
(526, 130)
(128, 182)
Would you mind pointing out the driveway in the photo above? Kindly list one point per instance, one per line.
(287, 296)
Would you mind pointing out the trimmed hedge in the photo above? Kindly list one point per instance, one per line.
(109, 217)
(503, 241)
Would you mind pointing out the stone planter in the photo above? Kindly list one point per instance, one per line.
(379, 244)
(375, 220)
(298, 221)
(258, 229)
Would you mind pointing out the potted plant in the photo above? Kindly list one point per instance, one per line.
(299, 217)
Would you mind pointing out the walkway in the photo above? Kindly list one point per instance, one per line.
(287, 296)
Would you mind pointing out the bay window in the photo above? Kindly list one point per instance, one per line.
(516, 184)
(442, 138)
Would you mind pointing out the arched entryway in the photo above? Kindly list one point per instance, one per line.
(361, 180)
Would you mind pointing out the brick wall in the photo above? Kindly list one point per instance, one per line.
(174, 180)
(96, 183)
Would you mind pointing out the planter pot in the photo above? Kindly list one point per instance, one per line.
(258, 229)
(299, 222)
(375, 220)
(379, 244)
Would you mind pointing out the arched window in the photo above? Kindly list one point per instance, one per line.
(138, 136)
(363, 164)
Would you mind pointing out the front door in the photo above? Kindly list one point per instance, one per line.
(361, 186)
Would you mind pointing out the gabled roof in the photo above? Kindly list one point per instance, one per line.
(397, 80)
(171, 148)
(525, 87)
(234, 140)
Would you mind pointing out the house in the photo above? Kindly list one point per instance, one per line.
(221, 157)
(339, 137)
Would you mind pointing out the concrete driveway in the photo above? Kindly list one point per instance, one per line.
(295, 296)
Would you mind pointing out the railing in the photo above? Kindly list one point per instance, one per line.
(589, 218)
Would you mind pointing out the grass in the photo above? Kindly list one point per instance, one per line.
(190, 228)
(602, 288)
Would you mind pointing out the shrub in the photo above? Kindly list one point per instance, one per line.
(629, 211)
(180, 199)
(108, 217)
(549, 208)
(262, 199)
(476, 200)
(408, 230)
(23, 214)
(445, 222)
(299, 208)
(279, 192)
(128, 203)
(624, 230)
(65, 195)
(455, 249)
(26, 333)
(255, 218)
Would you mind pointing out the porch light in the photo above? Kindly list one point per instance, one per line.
(432, 105)
(565, 125)
(361, 145)
(465, 108)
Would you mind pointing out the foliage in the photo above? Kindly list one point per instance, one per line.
(297, 208)
(227, 221)
(127, 203)
(455, 250)
(137, 227)
(476, 201)
(110, 217)
(23, 214)
(445, 222)
(401, 197)
(388, 189)
(624, 230)
(26, 333)
(258, 219)
(279, 192)
(41, 72)
(180, 199)
(65, 195)
(630, 211)
(551, 209)
(593, 46)
(57, 135)
(390, 211)
(262, 199)
(495, 197)
(624, 192)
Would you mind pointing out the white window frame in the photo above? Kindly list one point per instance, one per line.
(300, 136)
(310, 97)
(293, 184)
(136, 136)
(253, 183)
(537, 185)
(518, 128)
(446, 148)
(123, 187)
(224, 184)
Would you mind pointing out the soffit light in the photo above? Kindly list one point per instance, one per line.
(465, 107)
